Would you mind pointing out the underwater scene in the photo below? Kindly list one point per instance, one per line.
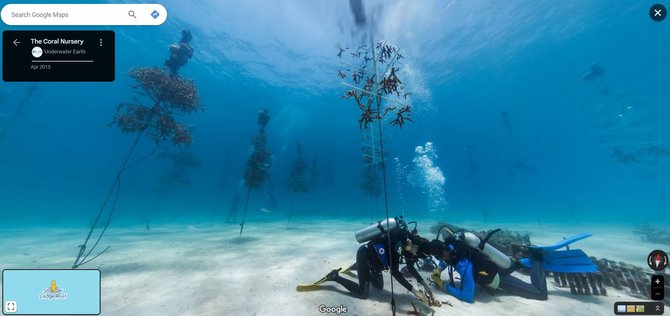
(353, 158)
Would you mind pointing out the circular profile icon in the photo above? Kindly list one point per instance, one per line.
(657, 260)
(657, 12)
(37, 52)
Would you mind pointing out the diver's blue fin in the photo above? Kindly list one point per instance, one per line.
(570, 261)
(562, 243)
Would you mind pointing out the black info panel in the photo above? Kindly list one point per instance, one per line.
(58, 56)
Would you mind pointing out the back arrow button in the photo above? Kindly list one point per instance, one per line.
(16, 42)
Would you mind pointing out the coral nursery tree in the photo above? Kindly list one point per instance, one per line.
(370, 184)
(372, 80)
(257, 170)
(166, 95)
(296, 179)
(182, 161)
(174, 177)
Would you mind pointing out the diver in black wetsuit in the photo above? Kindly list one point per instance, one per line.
(180, 53)
(372, 258)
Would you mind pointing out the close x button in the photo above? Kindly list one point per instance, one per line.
(658, 12)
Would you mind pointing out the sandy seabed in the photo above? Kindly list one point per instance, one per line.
(209, 270)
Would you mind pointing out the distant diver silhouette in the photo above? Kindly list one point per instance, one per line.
(595, 76)
(357, 10)
(505, 121)
(180, 53)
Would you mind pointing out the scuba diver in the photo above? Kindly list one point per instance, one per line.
(358, 12)
(480, 264)
(373, 257)
(180, 53)
(595, 75)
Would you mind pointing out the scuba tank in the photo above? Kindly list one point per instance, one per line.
(493, 254)
(376, 229)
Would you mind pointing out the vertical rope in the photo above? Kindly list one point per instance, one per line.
(114, 189)
(378, 100)
(386, 207)
(223, 183)
(246, 206)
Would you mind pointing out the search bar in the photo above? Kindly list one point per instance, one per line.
(83, 14)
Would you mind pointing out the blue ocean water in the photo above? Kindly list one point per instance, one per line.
(497, 88)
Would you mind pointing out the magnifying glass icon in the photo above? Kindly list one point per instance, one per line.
(131, 13)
